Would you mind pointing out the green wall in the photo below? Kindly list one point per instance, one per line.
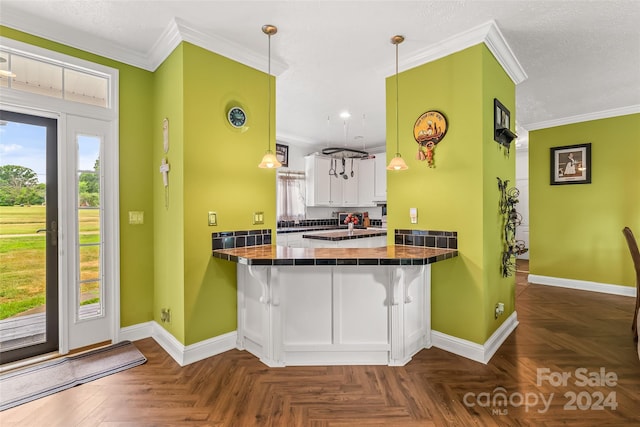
(136, 170)
(576, 230)
(460, 193)
(166, 262)
(168, 203)
(214, 168)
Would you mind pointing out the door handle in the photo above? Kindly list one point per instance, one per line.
(53, 231)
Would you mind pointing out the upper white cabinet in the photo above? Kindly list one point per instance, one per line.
(366, 182)
(329, 190)
(380, 180)
(350, 185)
(317, 179)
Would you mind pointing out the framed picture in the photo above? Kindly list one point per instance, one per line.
(571, 164)
(282, 154)
(501, 120)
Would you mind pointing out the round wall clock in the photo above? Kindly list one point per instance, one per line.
(237, 117)
(430, 128)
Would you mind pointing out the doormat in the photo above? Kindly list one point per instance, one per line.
(33, 382)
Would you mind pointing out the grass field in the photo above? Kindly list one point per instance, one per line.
(22, 258)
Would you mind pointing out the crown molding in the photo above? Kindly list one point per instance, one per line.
(292, 139)
(500, 49)
(487, 33)
(178, 31)
(615, 112)
(61, 34)
(166, 43)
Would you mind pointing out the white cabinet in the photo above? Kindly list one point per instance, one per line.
(317, 180)
(327, 190)
(368, 242)
(292, 240)
(366, 182)
(380, 178)
(336, 191)
(334, 315)
(350, 185)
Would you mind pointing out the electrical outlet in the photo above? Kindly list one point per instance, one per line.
(499, 309)
(165, 315)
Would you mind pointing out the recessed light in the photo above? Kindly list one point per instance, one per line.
(345, 115)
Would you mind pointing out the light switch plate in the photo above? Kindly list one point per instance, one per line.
(136, 217)
(213, 218)
(413, 214)
(258, 218)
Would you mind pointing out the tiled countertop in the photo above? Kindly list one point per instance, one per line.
(386, 255)
(344, 234)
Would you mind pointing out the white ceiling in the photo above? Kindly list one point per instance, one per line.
(582, 58)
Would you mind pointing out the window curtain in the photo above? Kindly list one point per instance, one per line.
(291, 196)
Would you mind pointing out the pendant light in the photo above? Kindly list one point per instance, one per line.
(397, 163)
(269, 161)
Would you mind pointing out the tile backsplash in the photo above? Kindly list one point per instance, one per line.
(331, 222)
(239, 239)
(430, 238)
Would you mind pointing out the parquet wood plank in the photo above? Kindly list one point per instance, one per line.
(561, 330)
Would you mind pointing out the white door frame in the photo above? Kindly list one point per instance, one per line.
(29, 103)
(84, 332)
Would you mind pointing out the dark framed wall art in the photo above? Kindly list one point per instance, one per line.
(282, 154)
(502, 133)
(571, 164)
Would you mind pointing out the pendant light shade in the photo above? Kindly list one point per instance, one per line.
(269, 161)
(397, 163)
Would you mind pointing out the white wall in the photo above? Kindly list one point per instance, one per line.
(296, 157)
(522, 184)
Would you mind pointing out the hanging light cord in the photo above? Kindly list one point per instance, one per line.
(269, 97)
(397, 106)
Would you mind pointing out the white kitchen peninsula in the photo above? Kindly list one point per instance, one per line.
(304, 306)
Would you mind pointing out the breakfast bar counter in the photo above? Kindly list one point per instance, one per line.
(328, 306)
(385, 255)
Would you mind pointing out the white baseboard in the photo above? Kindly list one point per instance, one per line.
(474, 351)
(185, 355)
(136, 332)
(182, 354)
(211, 347)
(583, 285)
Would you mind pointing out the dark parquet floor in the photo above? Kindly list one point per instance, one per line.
(576, 334)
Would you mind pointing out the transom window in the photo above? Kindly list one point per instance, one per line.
(55, 79)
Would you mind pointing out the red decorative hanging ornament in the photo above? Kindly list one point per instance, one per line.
(428, 131)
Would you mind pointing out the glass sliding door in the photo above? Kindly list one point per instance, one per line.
(28, 236)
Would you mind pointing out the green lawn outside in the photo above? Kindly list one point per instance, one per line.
(22, 257)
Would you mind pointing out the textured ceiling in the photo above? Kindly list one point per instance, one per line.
(582, 58)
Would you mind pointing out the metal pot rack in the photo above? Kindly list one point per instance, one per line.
(342, 152)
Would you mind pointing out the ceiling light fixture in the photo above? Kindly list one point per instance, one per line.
(345, 115)
(269, 161)
(397, 163)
